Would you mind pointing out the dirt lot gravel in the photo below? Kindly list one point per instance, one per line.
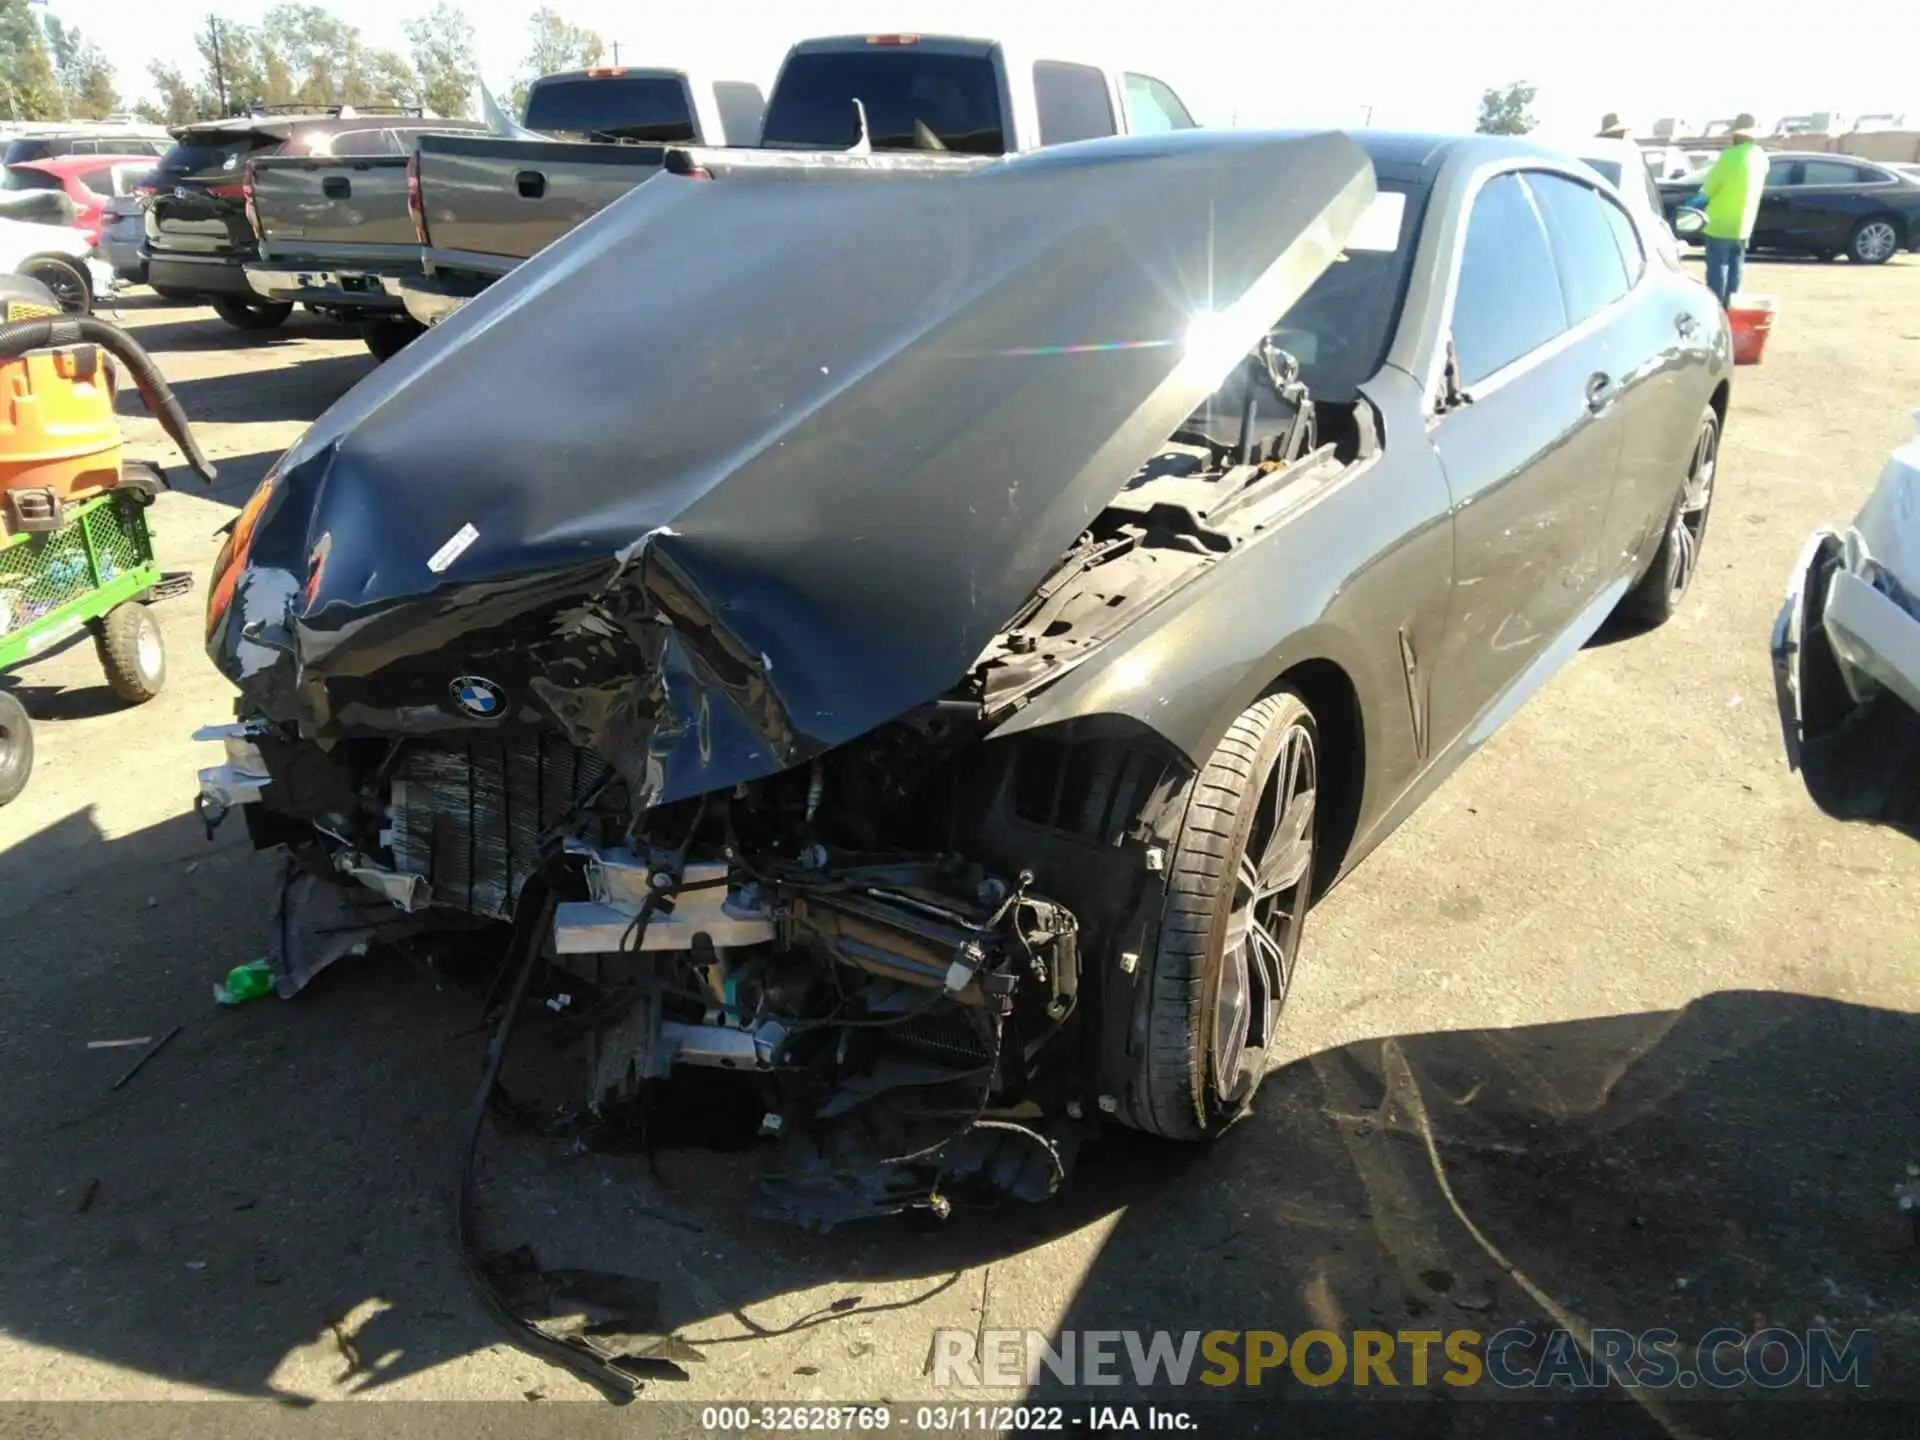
(1617, 1031)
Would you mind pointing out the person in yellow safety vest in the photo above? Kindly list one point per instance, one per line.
(1732, 188)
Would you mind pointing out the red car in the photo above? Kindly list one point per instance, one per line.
(89, 181)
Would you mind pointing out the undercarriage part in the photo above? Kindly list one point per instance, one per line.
(619, 881)
(319, 922)
(470, 818)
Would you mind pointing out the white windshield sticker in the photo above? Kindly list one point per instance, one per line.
(453, 549)
(1379, 227)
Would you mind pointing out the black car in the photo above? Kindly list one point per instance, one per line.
(1827, 205)
(928, 656)
(199, 239)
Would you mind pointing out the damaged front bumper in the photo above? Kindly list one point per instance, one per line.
(1846, 652)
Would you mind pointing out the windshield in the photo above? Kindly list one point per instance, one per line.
(1340, 329)
(215, 152)
(630, 109)
(915, 100)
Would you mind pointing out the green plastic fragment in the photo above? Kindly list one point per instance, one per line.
(245, 982)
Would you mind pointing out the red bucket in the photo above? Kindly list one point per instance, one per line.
(1751, 317)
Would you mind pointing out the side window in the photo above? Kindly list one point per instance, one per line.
(99, 182)
(1633, 252)
(1829, 172)
(85, 147)
(1153, 108)
(1783, 173)
(1073, 102)
(1508, 301)
(1592, 274)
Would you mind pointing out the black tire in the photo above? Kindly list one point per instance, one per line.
(132, 654)
(16, 748)
(1874, 241)
(251, 314)
(1669, 575)
(132, 274)
(385, 339)
(65, 278)
(1213, 1007)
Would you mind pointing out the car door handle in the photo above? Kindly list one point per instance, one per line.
(336, 187)
(1686, 325)
(531, 184)
(1599, 392)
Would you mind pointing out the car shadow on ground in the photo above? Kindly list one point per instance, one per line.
(300, 391)
(161, 326)
(277, 1183)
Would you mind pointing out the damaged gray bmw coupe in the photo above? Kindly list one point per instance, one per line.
(919, 632)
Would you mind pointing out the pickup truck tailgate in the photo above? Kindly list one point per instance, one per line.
(487, 197)
(335, 209)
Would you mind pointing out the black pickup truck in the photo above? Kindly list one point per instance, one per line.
(199, 237)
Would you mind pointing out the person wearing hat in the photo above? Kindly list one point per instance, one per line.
(1732, 189)
(1612, 127)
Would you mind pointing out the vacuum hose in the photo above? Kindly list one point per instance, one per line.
(56, 330)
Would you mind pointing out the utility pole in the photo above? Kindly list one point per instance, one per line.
(616, 52)
(1368, 122)
(219, 71)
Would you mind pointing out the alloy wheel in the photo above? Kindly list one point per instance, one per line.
(1270, 892)
(1876, 241)
(65, 284)
(1690, 516)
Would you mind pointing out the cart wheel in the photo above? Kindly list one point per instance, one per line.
(132, 653)
(16, 747)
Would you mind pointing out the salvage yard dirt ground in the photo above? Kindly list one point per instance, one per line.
(1648, 1015)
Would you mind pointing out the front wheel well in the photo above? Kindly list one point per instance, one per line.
(1718, 402)
(1335, 703)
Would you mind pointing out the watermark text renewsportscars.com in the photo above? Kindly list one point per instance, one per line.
(1511, 1359)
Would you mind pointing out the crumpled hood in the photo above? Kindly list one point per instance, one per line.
(743, 468)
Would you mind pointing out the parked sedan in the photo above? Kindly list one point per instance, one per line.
(89, 181)
(996, 599)
(1828, 205)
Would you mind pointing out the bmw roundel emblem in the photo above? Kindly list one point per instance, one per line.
(482, 699)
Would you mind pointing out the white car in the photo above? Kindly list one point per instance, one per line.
(1623, 164)
(1846, 653)
(59, 257)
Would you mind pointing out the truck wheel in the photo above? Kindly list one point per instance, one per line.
(16, 747)
(251, 314)
(132, 653)
(1238, 884)
(387, 338)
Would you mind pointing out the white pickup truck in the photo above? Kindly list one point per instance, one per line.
(483, 204)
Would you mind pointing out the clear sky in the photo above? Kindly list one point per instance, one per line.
(1411, 63)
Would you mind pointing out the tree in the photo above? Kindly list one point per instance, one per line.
(558, 44)
(177, 102)
(29, 89)
(442, 41)
(1504, 111)
(86, 78)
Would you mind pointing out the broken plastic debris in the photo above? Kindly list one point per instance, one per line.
(245, 982)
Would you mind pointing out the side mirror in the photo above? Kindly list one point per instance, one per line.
(1689, 223)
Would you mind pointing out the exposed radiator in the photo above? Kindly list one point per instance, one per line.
(470, 817)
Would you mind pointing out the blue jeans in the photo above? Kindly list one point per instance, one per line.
(1726, 259)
